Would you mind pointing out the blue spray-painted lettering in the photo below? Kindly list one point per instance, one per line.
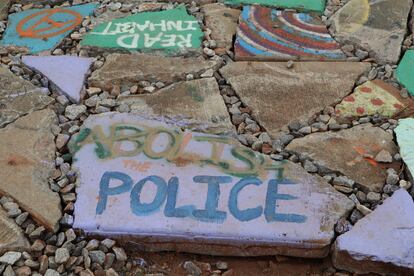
(248, 214)
(170, 208)
(143, 209)
(273, 196)
(105, 190)
(210, 213)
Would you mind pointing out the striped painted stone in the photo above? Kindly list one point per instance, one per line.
(269, 34)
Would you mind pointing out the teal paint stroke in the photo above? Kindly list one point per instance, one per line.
(302, 5)
(405, 71)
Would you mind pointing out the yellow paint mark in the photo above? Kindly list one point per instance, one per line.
(353, 16)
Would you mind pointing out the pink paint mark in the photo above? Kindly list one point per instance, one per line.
(377, 101)
(360, 110)
(365, 89)
(349, 99)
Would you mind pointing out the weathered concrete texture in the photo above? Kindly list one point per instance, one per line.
(278, 95)
(18, 97)
(382, 242)
(374, 97)
(307, 5)
(351, 152)
(171, 31)
(198, 101)
(269, 34)
(222, 21)
(255, 206)
(128, 70)
(67, 73)
(379, 26)
(405, 139)
(27, 155)
(405, 71)
(11, 235)
(27, 28)
(4, 9)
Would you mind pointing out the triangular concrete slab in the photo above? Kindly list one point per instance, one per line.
(382, 242)
(66, 72)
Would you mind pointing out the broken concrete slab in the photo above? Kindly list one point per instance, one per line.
(169, 32)
(381, 242)
(4, 9)
(41, 30)
(67, 73)
(196, 192)
(371, 98)
(405, 71)
(197, 101)
(27, 161)
(377, 26)
(11, 235)
(351, 152)
(306, 5)
(405, 133)
(222, 21)
(295, 94)
(19, 97)
(127, 70)
(269, 34)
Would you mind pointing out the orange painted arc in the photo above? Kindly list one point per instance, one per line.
(61, 27)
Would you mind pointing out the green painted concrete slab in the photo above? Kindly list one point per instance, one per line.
(405, 71)
(405, 139)
(171, 31)
(302, 5)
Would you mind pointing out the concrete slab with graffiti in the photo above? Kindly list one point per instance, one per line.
(405, 139)
(42, 29)
(170, 31)
(377, 26)
(67, 73)
(150, 183)
(374, 97)
(405, 71)
(307, 5)
(269, 34)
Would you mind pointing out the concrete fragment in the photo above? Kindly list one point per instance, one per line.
(198, 101)
(11, 236)
(67, 73)
(405, 134)
(405, 71)
(388, 249)
(27, 155)
(269, 34)
(18, 97)
(352, 153)
(269, 88)
(171, 31)
(374, 98)
(377, 26)
(222, 21)
(23, 27)
(114, 151)
(128, 70)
